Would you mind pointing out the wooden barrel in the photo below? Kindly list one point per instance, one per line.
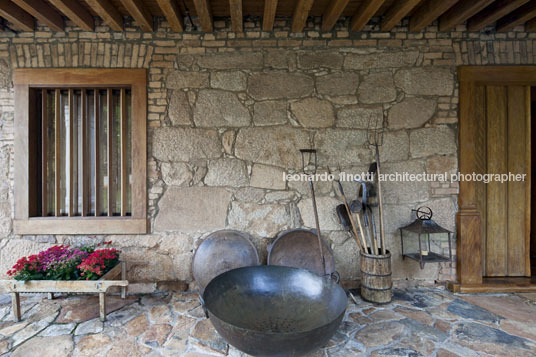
(376, 283)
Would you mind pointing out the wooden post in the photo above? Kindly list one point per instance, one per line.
(15, 305)
(50, 296)
(102, 306)
(123, 277)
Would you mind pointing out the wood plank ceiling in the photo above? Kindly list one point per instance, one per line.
(504, 15)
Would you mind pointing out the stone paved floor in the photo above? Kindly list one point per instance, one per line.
(429, 322)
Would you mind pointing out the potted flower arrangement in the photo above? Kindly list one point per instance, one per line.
(66, 269)
(62, 262)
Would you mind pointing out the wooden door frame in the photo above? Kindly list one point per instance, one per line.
(468, 220)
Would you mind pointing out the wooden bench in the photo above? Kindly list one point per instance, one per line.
(68, 286)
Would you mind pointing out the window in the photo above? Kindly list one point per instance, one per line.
(80, 151)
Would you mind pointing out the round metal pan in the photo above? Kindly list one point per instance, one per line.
(222, 251)
(298, 248)
(273, 310)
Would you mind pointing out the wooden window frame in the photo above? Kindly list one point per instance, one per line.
(23, 80)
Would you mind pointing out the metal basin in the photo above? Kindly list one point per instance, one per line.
(274, 310)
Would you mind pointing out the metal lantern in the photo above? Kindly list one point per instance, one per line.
(424, 240)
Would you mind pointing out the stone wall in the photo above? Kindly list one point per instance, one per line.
(228, 113)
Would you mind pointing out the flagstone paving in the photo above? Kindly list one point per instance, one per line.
(419, 322)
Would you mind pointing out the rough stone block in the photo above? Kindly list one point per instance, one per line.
(337, 84)
(395, 146)
(179, 111)
(227, 172)
(377, 88)
(279, 85)
(342, 146)
(185, 144)
(397, 192)
(270, 113)
(380, 60)
(192, 209)
(425, 81)
(278, 146)
(231, 60)
(233, 81)
(176, 173)
(359, 117)
(327, 215)
(280, 59)
(269, 177)
(313, 113)
(182, 79)
(320, 59)
(263, 220)
(411, 113)
(432, 141)
(217, 108)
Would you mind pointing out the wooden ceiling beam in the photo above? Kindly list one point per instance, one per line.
(461, 12)
(17, 16)
(301, 13)
(235, 9)
(493, 13)
(270, 7)
(141, 15)
(332, 14)
(42, 12)
(173, 14)
(76, 12)
(397, 12)
(518, 17)
(204, 12)
(364, 13)
(108, 13)
(427, 12)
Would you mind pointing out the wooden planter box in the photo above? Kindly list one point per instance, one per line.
(68, 286)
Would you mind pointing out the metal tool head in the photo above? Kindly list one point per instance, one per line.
(356, 206)
(375, 129)
(343, 216)
(373, 168)
(312, 160)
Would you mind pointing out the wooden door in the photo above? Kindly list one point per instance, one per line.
(503, 112)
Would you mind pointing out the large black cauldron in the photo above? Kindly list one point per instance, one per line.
(274, 310)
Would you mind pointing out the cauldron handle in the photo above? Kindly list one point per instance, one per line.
(203, 306)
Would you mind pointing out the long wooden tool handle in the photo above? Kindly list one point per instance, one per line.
(362, 233)
(372, 232)
(349, 212)
(380, 203)
(313, 198)
(353, 226)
